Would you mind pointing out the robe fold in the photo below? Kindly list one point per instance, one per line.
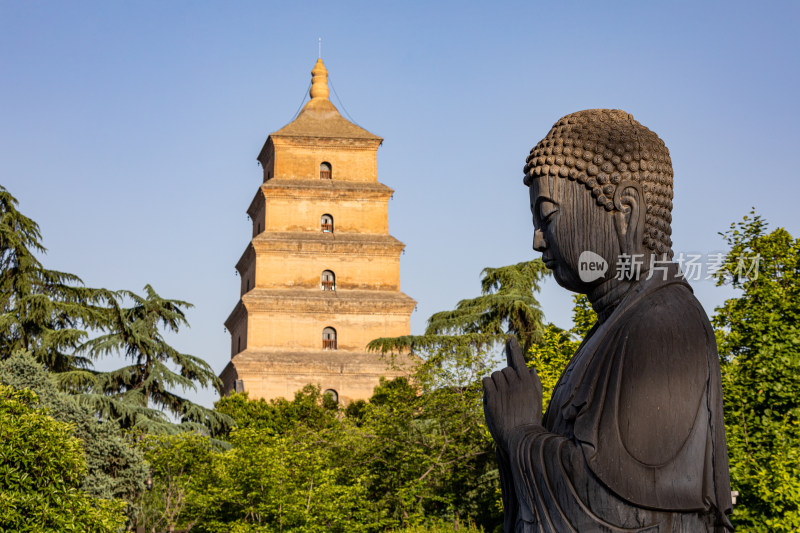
(633, 439)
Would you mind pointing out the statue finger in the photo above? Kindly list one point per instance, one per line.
(514, 356)
(511, 375)
(500, 380)
(488, 387)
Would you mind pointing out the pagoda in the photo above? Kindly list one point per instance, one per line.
(321, 275)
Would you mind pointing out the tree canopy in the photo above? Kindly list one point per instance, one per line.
(139, 394)
(66, 326)
(42, 311)
(114, 469)
(758, 335)
(467, 334)
(506, 306)
(402, 459)
(42, 468)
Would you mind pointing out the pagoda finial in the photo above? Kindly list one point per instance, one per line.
(319, 81)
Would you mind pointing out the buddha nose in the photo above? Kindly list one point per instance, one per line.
(539, 243)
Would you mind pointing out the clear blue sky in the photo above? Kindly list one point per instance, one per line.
(129, 131)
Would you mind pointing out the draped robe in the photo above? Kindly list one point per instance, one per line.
(633, 439)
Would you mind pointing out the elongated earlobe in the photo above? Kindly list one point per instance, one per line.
(629, 217)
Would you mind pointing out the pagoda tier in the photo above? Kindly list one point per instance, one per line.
(281, 373)
(283, 260)
(294, 318)
(296, 205)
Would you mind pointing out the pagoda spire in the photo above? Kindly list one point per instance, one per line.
(319, 81)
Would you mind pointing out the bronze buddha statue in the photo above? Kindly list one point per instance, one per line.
(633, 439)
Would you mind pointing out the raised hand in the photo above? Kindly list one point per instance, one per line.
(512, 397)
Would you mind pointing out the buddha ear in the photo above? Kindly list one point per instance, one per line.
(629, 216)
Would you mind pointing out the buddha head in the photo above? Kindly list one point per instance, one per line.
(599, 182)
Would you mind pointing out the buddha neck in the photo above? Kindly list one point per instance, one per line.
(606, 296)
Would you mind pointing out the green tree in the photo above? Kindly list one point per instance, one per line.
(401, 458)
(583, 316)
(291, 467)
(439, 526)
(759, 343)
(505, 307)
(137, 395)
(550, 357)
(181, 471)
(426, 452)
(48, 314)
(42, 468)
(279, 416)
(115, 469)
(293, 482)
(42, 311)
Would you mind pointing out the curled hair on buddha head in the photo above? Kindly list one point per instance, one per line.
(604, 149)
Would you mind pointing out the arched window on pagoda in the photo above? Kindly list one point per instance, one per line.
(325, 171)
(333, 394)
(328, 339)
(328, 280)
(326, 223)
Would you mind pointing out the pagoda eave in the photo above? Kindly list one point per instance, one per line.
(319, 302)
(317, 188)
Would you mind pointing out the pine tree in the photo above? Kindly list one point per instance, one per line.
(50, 314)
(42, 311)
(138, 394)
(506, 307)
